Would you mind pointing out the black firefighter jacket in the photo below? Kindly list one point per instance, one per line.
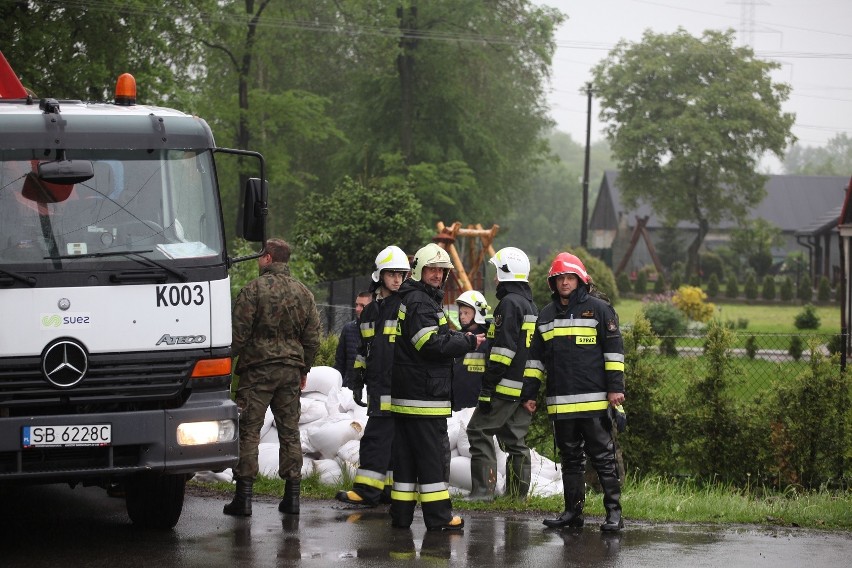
(425, 349)
(376, 352)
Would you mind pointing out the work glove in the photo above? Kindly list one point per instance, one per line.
(358, 395)
(484, 406)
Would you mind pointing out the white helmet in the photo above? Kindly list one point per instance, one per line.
(391, 258)
(431, 255)
(475, 300)
(512, 264)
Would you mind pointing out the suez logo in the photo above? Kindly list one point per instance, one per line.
(54, 321)
(186, 295)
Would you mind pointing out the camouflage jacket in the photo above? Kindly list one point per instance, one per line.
(275, 320)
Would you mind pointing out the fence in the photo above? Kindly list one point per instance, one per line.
(336, 298)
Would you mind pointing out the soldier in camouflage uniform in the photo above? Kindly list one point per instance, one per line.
(276, 335)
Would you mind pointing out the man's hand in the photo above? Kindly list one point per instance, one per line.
(530, 405)
(480, 339)
(303, 382)
(358, 396)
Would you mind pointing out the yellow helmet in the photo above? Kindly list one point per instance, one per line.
(431, 255)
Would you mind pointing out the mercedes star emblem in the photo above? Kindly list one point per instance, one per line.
(64, 363)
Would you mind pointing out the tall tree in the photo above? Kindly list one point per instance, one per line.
(688, 121)
(835, 159)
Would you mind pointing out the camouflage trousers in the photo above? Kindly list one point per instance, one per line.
(275, 387)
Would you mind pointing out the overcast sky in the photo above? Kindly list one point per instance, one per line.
(812, 39)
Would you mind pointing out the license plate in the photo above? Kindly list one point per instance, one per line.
(67, 436)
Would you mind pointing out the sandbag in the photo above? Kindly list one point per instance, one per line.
(328, 438)
(329, 471)
(322, 379)
(226, 476)
(268, 422)
(267, 460)
(312, 410)
(460, 473)
(307, 466)
(350, 452)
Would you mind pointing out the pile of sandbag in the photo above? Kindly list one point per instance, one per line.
(331, 426)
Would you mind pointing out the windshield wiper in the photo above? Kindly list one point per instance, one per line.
(131, 254)
(29, 280)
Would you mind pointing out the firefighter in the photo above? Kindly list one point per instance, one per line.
(421, 394)
(577, 347)
(468, 369)
(373, 366)
(500, 410)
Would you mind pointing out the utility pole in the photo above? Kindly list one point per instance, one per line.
(584, 226)
(405, 68)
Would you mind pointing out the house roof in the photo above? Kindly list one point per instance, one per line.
(792, 203)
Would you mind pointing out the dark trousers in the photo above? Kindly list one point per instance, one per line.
(374, 469)
(419, 457)
(580, 436)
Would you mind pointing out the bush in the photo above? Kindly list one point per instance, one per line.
(601, 276)
(824, 290)
(660, 284)
(623, 283)
(713, 286)
(751, 346)
(796, 348)
(666, 322)
(787, 289)
(711, 263)
(640, 285)
(834, 344)
(691, 301)
(732, 287)
(768, 287)
(751, 287)
(677, 280)
(807, 318)
(695, 280)
(805, 292)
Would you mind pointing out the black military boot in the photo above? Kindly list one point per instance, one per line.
(289, 504)
(612, 503)
(574, 490)
(241, 505)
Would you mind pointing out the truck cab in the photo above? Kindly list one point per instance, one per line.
(115, 363)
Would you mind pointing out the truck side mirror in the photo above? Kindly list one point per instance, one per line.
(251, 219)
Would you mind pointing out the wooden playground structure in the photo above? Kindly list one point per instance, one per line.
(476, 245)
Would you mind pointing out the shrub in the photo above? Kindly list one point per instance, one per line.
(787, 289)
(666, 322)
(659, 284)
(677, 280)
(742, 323)
(623, 283)
(751, 346)
(732, 287)
(824, 290)
(751, 287)
(805, 292)
(711, 263)
(695, 280)
(834, 344)
(640, 285)
(713, 286)
(691, 301)
(807, 318)
(796, 348)
(768, 287)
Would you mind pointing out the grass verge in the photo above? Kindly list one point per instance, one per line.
(651, 499)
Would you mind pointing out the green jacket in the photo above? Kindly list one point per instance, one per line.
(275, 320)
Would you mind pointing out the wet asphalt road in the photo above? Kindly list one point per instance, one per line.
(57, 526)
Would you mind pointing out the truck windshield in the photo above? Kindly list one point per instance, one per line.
(160, 204)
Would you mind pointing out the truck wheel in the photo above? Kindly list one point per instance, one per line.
(155, 500)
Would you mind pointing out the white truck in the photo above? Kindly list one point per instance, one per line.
(115, 360)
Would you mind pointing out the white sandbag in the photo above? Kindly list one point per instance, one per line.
(329, 471)
(328, 438)
(454, 426)
(501, 458)
(307, 466)
(359, 414)
(268, 422)
(350, 452)
(312, 410)
(463, 442)
(267, 459)
(226, 476)
(549, 470)
(348, 468)
(500, 488)
(460, 473)
(339, 400)
(270, 436)
(322, 397)
(307, 448)
(323, 379)
(464, 415)
(543, 486)
(454, 453)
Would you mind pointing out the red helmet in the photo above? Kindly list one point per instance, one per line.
(566, 263)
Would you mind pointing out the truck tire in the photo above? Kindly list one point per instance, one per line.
(155, 500)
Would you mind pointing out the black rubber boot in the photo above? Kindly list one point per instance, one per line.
(612, 503)
(241, 505)
(289, 505)
(574, 490)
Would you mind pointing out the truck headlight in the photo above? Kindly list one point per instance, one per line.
(197, 433)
